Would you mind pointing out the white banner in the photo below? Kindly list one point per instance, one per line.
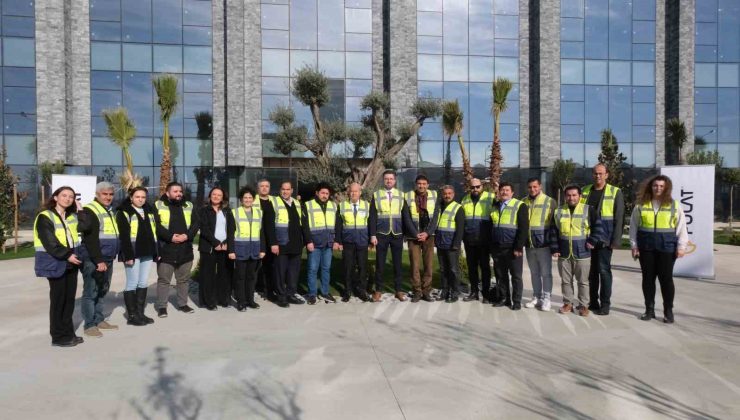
(84, 185)
(693, 187)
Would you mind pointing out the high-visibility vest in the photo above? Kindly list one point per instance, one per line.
(389, 212)
(446, 226)
(475, 214)
(44, 264)
(282, 219)
(258, 201)
(411, 202)
(505, 223)
(605, 207)
(163, 210)
(133, 222)
(657, 230)
(540, 218)
(107, 234)
(247, 235)
(573, 229)
(354, 226)
(321, 223)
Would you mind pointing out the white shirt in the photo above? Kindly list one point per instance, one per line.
(220, 232)
(681, 230)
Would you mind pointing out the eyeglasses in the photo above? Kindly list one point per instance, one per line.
(476, 186)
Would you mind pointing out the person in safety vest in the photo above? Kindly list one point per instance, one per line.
(539, 256)
(99, 249)
(608, 201)
(137, 234)
(216, 246)
(577, 230)
(658, 235)
(177, 225)
(264, 201)
(287, 233)
(448, 238)
(477, 208)
(321, 213)
(57, 246)
(421, 203)
(250, 248)
(352, 237)
(509, 231)
(389, 216)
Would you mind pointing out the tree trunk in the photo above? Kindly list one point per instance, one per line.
(467, 169)
(495, 171)
(448, 161)
(164, 170)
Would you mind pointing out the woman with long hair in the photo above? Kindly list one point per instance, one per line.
(250, 246)
(658, 236)
(216, 250)
(57, 246)
(137, 233)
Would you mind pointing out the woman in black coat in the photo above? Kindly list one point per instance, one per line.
(216, 248)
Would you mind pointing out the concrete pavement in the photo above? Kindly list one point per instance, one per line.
(390, 360)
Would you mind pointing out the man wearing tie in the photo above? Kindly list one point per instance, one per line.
(352, 238)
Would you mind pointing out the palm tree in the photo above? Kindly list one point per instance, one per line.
(676, 133)
(167, 99)
(122, 131)
(501, 88)
(452, 123)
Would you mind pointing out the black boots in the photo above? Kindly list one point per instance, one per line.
(649, 313)
(668, 315)
(141, 304)
(472, 296)
(132, 309)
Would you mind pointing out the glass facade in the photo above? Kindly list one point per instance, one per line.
(333, 35)
(18, 83)
(716, 82)
(607, 51)
(462, 46)
(131, 42)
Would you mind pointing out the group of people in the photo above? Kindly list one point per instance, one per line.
(260, 244)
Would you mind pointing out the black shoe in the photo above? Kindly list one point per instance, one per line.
(471, 297)
(78, 340)
(311, 300)
(65, 343)
(668, 316)
(295, 301)
(282, 304)
(604, 311)
(162, 312)
(363, 296)
(427, 298)
(212, 307)
(223, 305)
(415, 298)
(484, 300)
(516, 306)
(500, 303)
(141, 304)
(132, 309)
(328, 298)
(345, 298)
(253, 305)
(452, 298)
(594, 308)
(648, 315)
(186, 309)
(241, 308)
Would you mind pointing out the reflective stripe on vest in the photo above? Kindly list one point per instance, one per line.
(539, 217)
(133, 221)
(248, 225)
(59, 230)
(606, 205)
(411, 202)
(354, 227)
(657, 229)
(282, 219)
(574, 228)
(164, 213)
(389, 212)
(318, 219)
(108, 225)
(447, 226)
(505, 221)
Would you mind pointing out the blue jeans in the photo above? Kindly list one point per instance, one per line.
(95, 285)
(137, 274)
(320, 258)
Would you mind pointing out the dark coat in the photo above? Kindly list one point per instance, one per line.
(208, 241)
(128, 253)
(170, 252)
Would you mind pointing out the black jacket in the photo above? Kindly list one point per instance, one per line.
(144, 248)
(299, 234)
(47, 235)
(207, 218)
(409, 229)
(522, 228)
(170, 252)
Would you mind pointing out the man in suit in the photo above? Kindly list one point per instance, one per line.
(352, 238)
(509, 230)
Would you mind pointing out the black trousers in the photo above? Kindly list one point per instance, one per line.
(245, 278)
(478, 257)
(395, 243)
(657, 264)
(600, 278)
(265, 271)
(505, 263)
(62, 305)
(354, 262)
(287, 268)
(215, 278)
(449, 265)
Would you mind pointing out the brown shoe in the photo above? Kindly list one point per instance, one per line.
(582, 311)
(566, 308)
(93, 332)
(401, 296)
(105, 325)
(377, 296)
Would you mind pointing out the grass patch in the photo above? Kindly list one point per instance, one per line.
(25, 250)
(725, 238)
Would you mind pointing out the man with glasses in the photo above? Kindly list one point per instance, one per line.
(477, 208)
(608, 201)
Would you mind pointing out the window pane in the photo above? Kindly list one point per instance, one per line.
(168, 29)
(105, 152)
(727, 75)
(198, 152)
(167, 59)
(571, 8)
(596, 109)
(643, 94)
(591, 155)
(428, 23)
(137, 57)
(358, 20)
(19, 124)
(358, 42)
(643, 73)
(197, 12)
(705, 75)
(198, 83)
(506, 47)
(619, 72)
(429, 67)
(506, 7)
(275, 16)
(571, 29)
(142, 151)
(429, 45)
(506, 27)
(643, 114)
(19, 52)
(571, 113)
(303, 21)
(197, 60)
(705, 114)
(728, 115)
(275, 86)
(571, 50)
(430, 154)
(137, 20)
(644, 9)
(21, 150)
(455, 68)
(620, 29)
(730, 154)
(481, 69)
(300, 59)
(571, 93)
(358, 87)
(105, 31)
(195, 103)
(429, 5)
(359, 65)
(706, 33)
(101, 9)
(196, 35)
(572, 151)
(275, 39)
(643, 155)
(332, 63)
(104, 99)
(643, 52)
(19, 76)
(138, 98)
(571, 133)
(510, 152)
(643, 32)
(275, 63)
(643, 134)
(331, 25)
(432, 89)
(596, 72)
(620, 112)
(480, 31)
(455, 27)
(508, 68)
(571, 72)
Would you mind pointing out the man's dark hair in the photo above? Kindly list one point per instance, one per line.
(505, 184)
(287, 181)
(323, 186)
(173, 184)
(533, 179)
(389, 172)
(421, 177)
(572, 187)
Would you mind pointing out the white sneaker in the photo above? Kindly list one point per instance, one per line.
(531, 304)
(545, 305)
